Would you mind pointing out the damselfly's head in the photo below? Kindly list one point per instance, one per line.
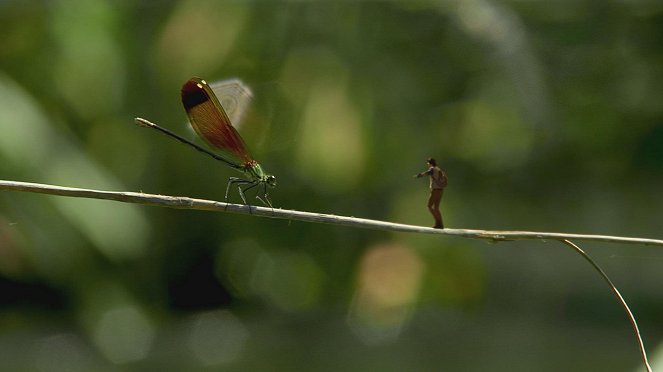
(270, 180)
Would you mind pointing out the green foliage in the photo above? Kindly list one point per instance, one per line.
(545, 115)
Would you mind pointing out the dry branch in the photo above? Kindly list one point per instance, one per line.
(620, 299)
(180, 202)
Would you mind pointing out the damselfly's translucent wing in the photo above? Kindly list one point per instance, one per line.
(235, 98)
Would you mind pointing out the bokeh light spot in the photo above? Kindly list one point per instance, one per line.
(124, 334)
(217, 337)
(388, 285)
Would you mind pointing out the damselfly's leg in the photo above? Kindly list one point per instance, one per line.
(265, 195)
(266, 201)
(240, 182)
(230, 182)
(252, 185)
(241, 191)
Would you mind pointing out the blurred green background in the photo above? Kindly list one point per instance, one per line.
(547, 116)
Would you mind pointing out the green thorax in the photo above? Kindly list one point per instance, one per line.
(254, 172)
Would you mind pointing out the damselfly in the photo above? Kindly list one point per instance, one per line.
(209, 119)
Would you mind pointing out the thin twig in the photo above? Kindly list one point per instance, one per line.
(621, 300)
(180, 202)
